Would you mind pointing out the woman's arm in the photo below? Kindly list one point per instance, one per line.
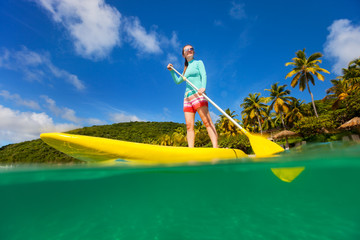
(176, 79)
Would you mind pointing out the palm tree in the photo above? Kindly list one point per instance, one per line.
(339, 91)
(226, 126)
(254, 106)
(179, 136)
(352, 73)
(199, 126)
(295, 113)
(249, 123)
(345, 85)
(202, 137)
(268, 120)
(277, 121)
(305, 68)
(280, 100)
(165, 140)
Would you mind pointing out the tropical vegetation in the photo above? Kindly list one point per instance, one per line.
(254, 110)
(280, 100)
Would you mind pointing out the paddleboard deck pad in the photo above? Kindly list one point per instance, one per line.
(96, 149)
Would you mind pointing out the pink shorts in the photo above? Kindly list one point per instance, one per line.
(192, 103)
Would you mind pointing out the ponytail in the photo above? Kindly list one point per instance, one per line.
(186, 64)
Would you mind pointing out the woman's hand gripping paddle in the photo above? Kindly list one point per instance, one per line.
(262, 147)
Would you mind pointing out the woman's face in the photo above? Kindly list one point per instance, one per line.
(188, 51)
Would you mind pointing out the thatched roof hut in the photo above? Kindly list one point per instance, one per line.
(284, 133)
(351, 123)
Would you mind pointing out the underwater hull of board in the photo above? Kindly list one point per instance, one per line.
(95, 149)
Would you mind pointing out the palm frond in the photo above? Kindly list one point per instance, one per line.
(295, 80)
(311, 78)
(301, 54)
(314, 57)
(323, 70)
(302, 84)
(356, 61)
(289, 63)
(319, 76)
(290, 74)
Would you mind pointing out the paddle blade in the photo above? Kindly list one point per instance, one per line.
(263, 147)
(287, 174)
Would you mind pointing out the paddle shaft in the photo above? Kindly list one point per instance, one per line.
(215, 105)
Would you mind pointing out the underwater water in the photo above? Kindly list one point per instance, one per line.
(311, 192)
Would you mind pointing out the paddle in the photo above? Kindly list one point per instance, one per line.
(262, 147)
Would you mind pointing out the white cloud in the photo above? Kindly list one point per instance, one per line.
(63, 112)
(237, 10)
(172, 42)
(19, 101)
(70, 78)
(342, 44)
(121, 117)
(149, 42)
(139, 38)
(69, 114)
(93, 25)
(16, 126)
(96, 28)
(36, 66)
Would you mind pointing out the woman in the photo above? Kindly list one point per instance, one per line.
(194, 101)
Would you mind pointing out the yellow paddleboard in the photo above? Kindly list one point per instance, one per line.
(95, 149)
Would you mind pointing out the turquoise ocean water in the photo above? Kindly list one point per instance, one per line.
(239, 199)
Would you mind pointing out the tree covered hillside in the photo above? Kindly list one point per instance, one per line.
(37, 151)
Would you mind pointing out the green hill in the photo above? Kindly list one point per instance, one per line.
(37, 151)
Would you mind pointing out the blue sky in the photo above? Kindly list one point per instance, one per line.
(68, 64)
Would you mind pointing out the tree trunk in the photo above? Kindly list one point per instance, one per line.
(282, 120)
(287, 143)
(312, 97)
(259, 123)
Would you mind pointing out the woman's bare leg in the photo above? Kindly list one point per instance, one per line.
(210, 127)
(190, 120)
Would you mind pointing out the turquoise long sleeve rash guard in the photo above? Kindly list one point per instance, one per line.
(195, 73)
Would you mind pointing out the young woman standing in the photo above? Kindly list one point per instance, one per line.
(194, 101)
